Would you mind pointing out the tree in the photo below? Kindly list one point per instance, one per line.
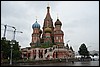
(16, 54)
(6, 49)
(83, 50)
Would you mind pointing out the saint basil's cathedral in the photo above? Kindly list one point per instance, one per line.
(47, 43)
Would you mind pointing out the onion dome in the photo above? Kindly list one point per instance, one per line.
(58, 22)
(36, 25)
(47, 30)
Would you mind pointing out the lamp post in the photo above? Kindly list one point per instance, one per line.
(12, 42)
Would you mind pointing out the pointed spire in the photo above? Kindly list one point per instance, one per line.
(48, 13)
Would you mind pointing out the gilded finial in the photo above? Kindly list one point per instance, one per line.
(36, 18)
(48, 4)
(57, 16)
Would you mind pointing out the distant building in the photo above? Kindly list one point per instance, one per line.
(47, 43)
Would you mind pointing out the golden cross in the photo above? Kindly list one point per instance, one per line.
(36, 18)
(48, 4)
(57, 16)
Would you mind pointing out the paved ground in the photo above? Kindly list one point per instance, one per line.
(91, 63)
(84, 63)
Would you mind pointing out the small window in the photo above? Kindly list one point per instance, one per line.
(61, 37)
(59, 40)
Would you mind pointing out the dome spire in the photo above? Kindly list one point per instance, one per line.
(58, 22)
(48, 4)
(48, 13)
(48, 8)
(57, 16)
(36, 18)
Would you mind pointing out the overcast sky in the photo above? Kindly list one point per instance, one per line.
(80, 20)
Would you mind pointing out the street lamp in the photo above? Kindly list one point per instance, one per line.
(12, 42)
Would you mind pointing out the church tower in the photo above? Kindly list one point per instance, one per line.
(58, 34)
(36, 34)
(48, 23)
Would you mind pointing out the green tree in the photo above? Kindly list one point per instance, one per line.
(16, 54)
(83, 50)
(6, 49)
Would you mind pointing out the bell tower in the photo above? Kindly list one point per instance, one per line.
(36, 34)
(58, 33)
(48, 23)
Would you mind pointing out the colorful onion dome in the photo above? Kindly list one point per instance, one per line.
(36, 25)
(47, 30)
(58, 22)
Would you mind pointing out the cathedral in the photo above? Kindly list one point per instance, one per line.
(47, 43)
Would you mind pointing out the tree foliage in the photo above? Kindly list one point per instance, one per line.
(83, 50)
(6, 49)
